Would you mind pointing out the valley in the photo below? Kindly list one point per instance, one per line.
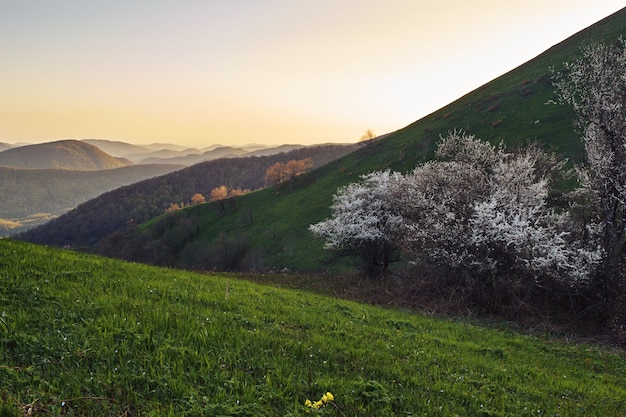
(44, 181)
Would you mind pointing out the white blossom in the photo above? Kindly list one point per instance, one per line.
(482, 210)
(595, 86)
(364, 220)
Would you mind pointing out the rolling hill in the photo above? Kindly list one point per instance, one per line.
(143, 154)
(64, 154)
(116, 148)
(192, 158)
(34, 196)
(267, 230)
(195, 158)
(124, 208)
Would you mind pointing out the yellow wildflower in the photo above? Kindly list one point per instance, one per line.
(326, 398)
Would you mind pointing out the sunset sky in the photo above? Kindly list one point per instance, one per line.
(249, 71)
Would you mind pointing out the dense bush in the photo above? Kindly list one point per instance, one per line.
(477, 215)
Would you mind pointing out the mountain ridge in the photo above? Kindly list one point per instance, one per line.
(64, 154)
(5, 146)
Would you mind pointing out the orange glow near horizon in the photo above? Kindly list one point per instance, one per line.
(199, 73)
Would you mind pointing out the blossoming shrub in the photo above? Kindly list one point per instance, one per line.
(478, 213)
(482, 214)
(364, 222)
(595, 87)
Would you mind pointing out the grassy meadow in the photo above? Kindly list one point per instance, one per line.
(84, 335)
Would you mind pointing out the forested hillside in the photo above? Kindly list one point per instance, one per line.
(124, 208)
(33, 196)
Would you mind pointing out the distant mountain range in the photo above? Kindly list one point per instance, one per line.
(165, 153)
(31, 197)
(117, 210)
(40, 182)
(75, 155)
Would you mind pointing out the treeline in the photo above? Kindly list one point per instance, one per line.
(123, 208)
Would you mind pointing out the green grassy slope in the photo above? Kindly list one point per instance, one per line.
(83, 335)
(513, 108)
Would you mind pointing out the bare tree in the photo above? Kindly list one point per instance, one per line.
(368, 135)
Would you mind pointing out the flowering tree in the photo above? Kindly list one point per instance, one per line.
(595, 86)
(197, 198)
(280, 173)
(364, 222)
(294, 167)
(484, 212)
(436, 200)
(514, 231)
(219, 193)
(478, 211)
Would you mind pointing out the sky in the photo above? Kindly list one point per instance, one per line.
(234, 72)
